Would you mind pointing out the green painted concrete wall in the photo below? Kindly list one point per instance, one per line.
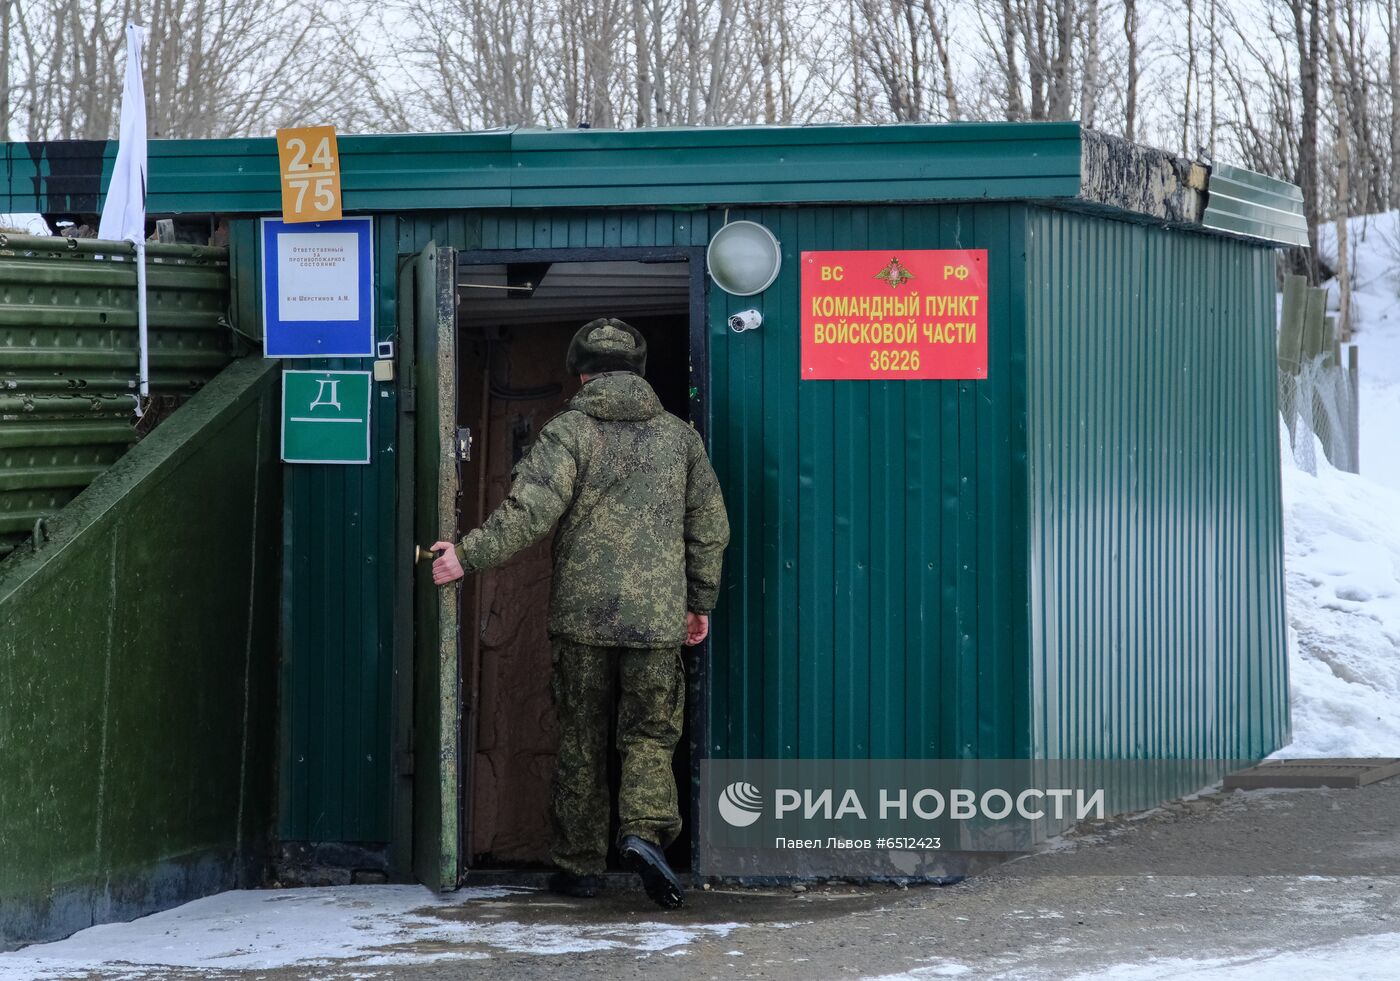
(137, 675)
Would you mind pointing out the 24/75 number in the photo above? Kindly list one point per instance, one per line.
(310, 162)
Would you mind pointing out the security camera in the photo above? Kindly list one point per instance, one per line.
(745, 320)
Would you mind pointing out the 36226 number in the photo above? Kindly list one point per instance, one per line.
(903, 359)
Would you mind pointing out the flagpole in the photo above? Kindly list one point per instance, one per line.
(124, 210)
(143, 366)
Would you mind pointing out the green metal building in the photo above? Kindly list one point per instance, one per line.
(1078, 557)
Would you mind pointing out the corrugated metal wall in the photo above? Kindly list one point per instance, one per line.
(336, 774)
(1157, 621)
(68, 343)
(337, 777)
(885, 516)
(879, 599)
(875, 592)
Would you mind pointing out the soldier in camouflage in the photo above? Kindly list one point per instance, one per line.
(637, 557)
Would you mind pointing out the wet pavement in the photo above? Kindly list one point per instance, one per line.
(1203, 885)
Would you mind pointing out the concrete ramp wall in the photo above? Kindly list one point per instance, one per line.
(137, 674)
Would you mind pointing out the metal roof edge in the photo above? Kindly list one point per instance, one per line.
(689, 167)
(1252, 205)
(591, 168)
(830, 134)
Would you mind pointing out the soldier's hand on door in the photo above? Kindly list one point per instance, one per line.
(446, 568)
(697, 628)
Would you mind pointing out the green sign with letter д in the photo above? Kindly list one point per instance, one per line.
(325, 416)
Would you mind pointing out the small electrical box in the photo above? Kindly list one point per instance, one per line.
(384, 370)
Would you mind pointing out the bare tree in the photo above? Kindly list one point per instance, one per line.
(1191, 77)
(788, 42)
(1307, 36)
(1015, 109)
(213, 67)
(7, 66)
(903, 47)
(1305, 89)
(1060, 95)
(1032, 46)
(642, 43)
(1213, 31)
(1392, 30)
(1130, 98)
(1089, 88)
(1343, 155)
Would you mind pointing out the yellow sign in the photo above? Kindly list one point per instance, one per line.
(310, 166)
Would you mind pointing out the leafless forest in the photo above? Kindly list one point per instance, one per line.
(1304, 89)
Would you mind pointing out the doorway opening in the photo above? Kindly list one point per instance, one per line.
(516, 313)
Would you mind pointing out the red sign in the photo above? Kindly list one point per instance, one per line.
(915, 313)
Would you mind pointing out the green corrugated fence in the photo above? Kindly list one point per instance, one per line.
(68, 358)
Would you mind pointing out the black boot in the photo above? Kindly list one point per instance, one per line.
(648, 861)
(569, 883)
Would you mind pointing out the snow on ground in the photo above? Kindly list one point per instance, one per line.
(1342, 535)
(345, 926)
(1371, 958)
(1342, 559)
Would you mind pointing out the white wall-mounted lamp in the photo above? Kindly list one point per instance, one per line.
(744, 258)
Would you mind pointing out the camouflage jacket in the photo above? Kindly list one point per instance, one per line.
(641, 521)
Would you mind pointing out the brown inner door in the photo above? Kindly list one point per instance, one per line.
(513, 344)
(475, 457)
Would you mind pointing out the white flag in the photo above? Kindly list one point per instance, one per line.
(124, 212)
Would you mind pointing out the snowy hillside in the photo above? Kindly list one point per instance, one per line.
(1342, 541)
(1375, 274)
(1342, 536)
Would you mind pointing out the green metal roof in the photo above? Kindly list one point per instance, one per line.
(583, 168)
(682, 168)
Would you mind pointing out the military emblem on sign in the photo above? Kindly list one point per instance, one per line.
(895, 274)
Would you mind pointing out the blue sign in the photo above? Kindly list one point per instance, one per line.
(318, 288)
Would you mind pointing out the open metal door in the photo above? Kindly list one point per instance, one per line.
(437, 690)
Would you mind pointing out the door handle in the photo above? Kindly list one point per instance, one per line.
(464, 444)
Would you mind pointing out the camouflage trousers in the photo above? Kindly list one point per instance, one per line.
(643, 691)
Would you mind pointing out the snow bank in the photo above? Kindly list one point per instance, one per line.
(1342, 559)
(1342, 533)
(340, 926)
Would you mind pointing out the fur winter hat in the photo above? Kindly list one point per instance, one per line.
(606, 345)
